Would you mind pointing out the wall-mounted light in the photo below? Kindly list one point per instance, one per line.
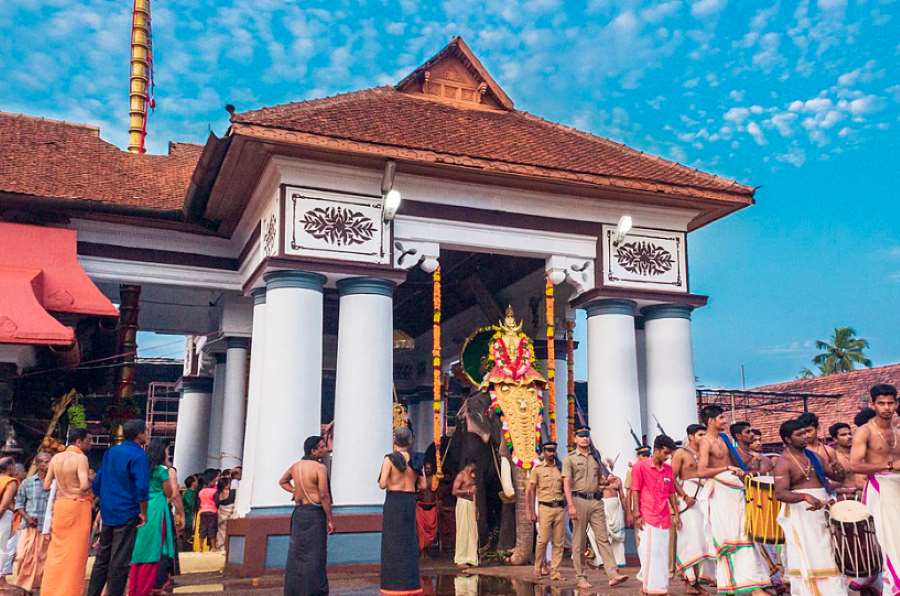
(392, 202)
(622, 228)
(391, 195)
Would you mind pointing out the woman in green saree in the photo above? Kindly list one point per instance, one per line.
(155, 539)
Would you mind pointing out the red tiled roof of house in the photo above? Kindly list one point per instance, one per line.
(853, 388)
(61, 160)
(386, 117)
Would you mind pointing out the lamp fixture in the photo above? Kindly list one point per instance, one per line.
(622, 229)
(392, 201)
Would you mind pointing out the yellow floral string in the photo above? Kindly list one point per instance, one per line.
(551, 358)
(436, 373)
(570, 379)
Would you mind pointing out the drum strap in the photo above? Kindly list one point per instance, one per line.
(819, 470)
(732, 449)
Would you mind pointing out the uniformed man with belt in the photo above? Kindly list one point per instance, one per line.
(582, 483)
(546, 484)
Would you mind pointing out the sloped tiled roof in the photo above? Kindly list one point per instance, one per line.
(853, 388)
(61, 160)
(387, 117)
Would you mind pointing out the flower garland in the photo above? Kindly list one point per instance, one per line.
(551, 357)
(436, 373)
(513, 456)
(570, 378)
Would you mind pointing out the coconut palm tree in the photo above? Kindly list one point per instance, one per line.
(806, 373)
(842, 352)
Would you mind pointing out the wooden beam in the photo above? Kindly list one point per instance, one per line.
(484, 299)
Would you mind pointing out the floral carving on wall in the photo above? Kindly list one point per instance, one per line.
(270, 235)
(339, 226)
(644, 258)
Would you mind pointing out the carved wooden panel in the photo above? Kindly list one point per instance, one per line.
(645, 258)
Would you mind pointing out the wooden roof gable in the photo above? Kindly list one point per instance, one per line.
(455, 74)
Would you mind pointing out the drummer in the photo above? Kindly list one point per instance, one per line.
(738, 569)
(853, 484)
(811, 423)
(876, 453)
(802, 484)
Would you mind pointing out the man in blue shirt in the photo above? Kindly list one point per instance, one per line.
(122, 483)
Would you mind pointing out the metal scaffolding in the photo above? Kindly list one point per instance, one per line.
(735, 400)
(162, 410)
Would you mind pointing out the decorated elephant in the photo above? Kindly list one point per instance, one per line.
(499, 429)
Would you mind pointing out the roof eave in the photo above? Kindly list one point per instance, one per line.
(712, 208)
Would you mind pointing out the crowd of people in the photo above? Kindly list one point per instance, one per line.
(131, 513)
(688, 505)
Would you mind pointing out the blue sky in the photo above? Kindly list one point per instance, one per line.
(799, 97)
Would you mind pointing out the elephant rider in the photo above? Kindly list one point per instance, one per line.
(546, 484)
(583, 485)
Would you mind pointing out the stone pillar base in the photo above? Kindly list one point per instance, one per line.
(258, 544)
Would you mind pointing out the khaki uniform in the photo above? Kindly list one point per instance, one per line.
(547, 482)
(583, 473)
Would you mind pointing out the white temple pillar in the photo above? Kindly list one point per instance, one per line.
(562, 402)
(214, 448)
(192, 427)
(233, 403)
(362, 397)
(671, 394)
(291, 408)
(254, 402)
(640, 347)
(613, 400)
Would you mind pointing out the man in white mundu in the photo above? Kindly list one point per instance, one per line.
(739, 567)
(801, 484)
(695, 556)
(876, 453)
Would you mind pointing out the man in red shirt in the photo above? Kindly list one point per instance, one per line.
(653, 488)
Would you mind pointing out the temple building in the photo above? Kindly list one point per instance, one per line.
(300, 251)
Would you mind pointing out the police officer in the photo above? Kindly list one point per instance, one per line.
(546, 484)
(582, 484)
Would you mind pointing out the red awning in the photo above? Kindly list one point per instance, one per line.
(39, 274)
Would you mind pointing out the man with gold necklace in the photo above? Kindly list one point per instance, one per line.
(802, 484)
(876, 453)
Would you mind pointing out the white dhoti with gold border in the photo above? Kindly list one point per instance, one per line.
(811, 567)
(694, 556)
(882, 497)
(739, 567)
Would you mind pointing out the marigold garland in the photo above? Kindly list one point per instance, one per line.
(436, 373)
(570, 379)
(551, 357)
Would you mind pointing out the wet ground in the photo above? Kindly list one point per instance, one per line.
(438, 579)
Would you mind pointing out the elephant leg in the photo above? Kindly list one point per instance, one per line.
(521, 554)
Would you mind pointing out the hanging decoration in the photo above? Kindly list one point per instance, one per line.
(570, 380)
(515, 389)
(551, 356)
(436, 373)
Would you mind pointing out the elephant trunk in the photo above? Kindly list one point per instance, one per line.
(521, 554)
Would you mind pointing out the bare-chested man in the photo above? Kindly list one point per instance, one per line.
(464, 489)
(853, 484)
(801, 480)
(399, 545)
(876, 453)
(743, 436)
(766, 462)
(311, 522)
(70, 518)
(694, 560)
(738, 569)
(813, 441)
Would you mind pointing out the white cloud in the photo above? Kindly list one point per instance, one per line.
(737, 94)
(705, 8)
(794, 156)
(832, 4)
(768, 56)
(783, 123)
(794, 347)
(756, 132)
(737, 115)
(866, 105)
(848, 79)
(658, 12)
(691, 83)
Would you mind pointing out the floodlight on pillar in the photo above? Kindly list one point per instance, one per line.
(622, 228)
(391, 204)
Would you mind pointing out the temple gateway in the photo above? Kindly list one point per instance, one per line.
(345, 262)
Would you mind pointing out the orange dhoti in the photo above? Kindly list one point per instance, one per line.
(30, 558)
(70, 531)
(426, 524)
